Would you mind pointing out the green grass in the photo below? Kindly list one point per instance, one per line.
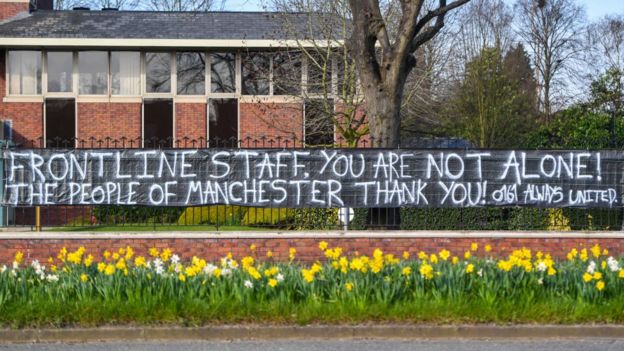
(149, 228)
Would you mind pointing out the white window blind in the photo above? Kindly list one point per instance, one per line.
(25, 72)
(126, 73)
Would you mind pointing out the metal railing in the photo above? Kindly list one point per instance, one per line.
(222, 217)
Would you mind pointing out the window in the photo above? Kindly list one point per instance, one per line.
(93, 70)
(223, 122)
(223, 73)
(158, 123)
(158, 72)
(319, 125)
(126, 73)
(319, 74)
(191, 73)
(287, 73)
(60, 122)
(60, 72)
(256, 68)
(25, 72)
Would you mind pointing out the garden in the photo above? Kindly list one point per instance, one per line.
(121, 287)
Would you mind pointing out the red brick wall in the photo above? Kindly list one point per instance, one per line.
(190, 125)
(10, 9)
(109, 120)
(27, 122)
(27, 117)
(307, 248)
(260, 122)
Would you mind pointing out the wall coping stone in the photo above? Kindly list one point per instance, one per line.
(260, 235)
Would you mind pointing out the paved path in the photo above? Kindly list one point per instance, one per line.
(339, 345)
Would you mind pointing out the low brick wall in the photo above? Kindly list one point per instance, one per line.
(213, 246)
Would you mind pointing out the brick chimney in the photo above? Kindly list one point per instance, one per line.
(10, 8)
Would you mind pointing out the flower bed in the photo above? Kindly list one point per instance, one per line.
(78, 288)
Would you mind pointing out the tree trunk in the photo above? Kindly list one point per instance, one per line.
(385, 132)
(385, 123)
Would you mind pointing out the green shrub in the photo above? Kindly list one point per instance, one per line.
(136, 214)
(454, 218)
(216, 214)
(316, 218)
(255, 216)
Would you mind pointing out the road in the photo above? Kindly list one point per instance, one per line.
(339, 345)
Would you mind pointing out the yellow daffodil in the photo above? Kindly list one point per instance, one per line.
(19, 257)
(488, 248)
(109, 270)
(406, 255)
(474, 247)
(252, 247)
(84, 277)
(426, 271)
(467, 255)
(323, 245)
(291, 253)
(406, 271)
(154, 252)
(182, 277)
(348, 286)
(587, 277)
(600, 285)
(272, 283)
(444, 254)
(469, 268)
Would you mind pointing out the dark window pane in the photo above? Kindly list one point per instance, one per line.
(158, 72)
(60, 122)
(319, 74)
(319, 125)
(256, 67)
(191, 72)
(223, 73)
(223, 122)
(60, 72)
(158, 123)
(287, 73)
(93, 72)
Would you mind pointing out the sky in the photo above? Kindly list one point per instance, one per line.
(595, 8)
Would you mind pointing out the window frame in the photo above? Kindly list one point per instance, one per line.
(7, 75)
(44, 88)
(173, 78)
(107, 90)
(237, 76)
(141, 76)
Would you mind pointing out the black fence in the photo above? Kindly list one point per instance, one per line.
(222, 217)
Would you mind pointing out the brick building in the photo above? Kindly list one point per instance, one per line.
(103, 78)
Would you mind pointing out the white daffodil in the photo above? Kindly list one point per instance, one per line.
(591, 267)
(541, 267)
(226, 272)
(3, 269)
(52, 278)
(279, 277)
(248, 284)
(614, 266)
(175, 259)
(209, 269)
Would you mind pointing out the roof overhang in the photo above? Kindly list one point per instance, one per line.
(161, 43)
